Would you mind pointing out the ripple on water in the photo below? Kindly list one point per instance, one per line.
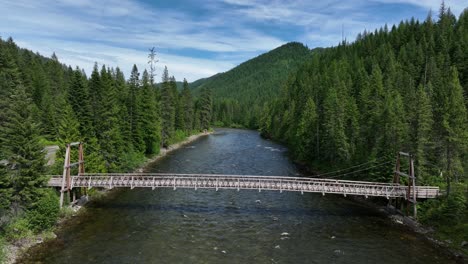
(205, 226)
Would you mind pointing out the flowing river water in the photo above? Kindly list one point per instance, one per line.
(227, 226)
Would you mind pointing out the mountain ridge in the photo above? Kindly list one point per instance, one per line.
(252, 82)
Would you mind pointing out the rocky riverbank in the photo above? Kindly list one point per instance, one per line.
(412, 225)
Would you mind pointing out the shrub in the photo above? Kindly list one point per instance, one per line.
(17, 229)
(131, 160)
(45, 212)
(218, 124)
(178, 136)
(2, 249)
(445, 211)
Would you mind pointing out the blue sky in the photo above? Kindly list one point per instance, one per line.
(195, 39)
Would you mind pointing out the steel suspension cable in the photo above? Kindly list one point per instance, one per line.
(345, 169)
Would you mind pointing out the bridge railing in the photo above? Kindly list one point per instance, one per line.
(217, 181)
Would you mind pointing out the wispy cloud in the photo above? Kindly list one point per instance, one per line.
(194, 39)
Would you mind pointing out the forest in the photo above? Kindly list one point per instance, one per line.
(121, 121)
(239, 94)
(403, 88)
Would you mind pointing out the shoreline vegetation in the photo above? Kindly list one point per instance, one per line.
(13, 251)
(427, 232)
(399, 88)
(122, 121)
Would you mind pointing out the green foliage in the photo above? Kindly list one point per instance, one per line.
(218, 123)
(186, 108)
(2, 249)
(45, 212)
(149, 122)
(239, 94)
(18, 229)
(6, 189)
(205, 106)
(66, 212)
(179, 136)
(20, 144)
(168, 108)
(131, 160)
(449, 215)
(390, 90)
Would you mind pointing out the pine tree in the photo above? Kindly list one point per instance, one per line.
(109, 137)
(55, 98)
(79, 99)
(454, 131)
(187, 103)
(95, 162)
(206, 105)
(6, 189)
(422, 130)
(392, 136)
(20, 143)
(123, 90)
(167, 109)
(149, 121)
(179, 115)
(335, 143)
(68, 131)
(134, 109)
(94, 88)
(307, 131)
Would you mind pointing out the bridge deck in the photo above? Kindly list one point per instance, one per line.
(243, 182)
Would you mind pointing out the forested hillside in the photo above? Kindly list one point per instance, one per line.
(241, 92)
(396, 89)
(43, 102)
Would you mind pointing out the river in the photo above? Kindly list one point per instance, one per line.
(227, 226)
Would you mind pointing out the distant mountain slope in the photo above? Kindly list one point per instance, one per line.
(252, 83)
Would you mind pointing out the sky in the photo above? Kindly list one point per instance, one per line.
(194, 39)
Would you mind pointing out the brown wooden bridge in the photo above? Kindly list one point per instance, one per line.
(409, 192)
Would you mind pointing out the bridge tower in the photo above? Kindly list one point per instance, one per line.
(411, 191)
(67, 166)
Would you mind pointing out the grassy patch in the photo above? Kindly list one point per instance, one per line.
(18, 229)
(178, 136)
(66, 212)
(46, 142)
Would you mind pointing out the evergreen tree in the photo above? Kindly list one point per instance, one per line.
(187, 110)
(6, 189)
(123, 91)
(109, 137)
(81, 104)
(94, 88)
(421, 132)
(167, 109)
(95, 162)
(134, 109)
(206, 104)
(307, 131)
(335, 143)
(454, 131)
(20, 143)
(68, 132)
(149, 119)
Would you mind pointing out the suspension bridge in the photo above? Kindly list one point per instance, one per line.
(410, 192)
